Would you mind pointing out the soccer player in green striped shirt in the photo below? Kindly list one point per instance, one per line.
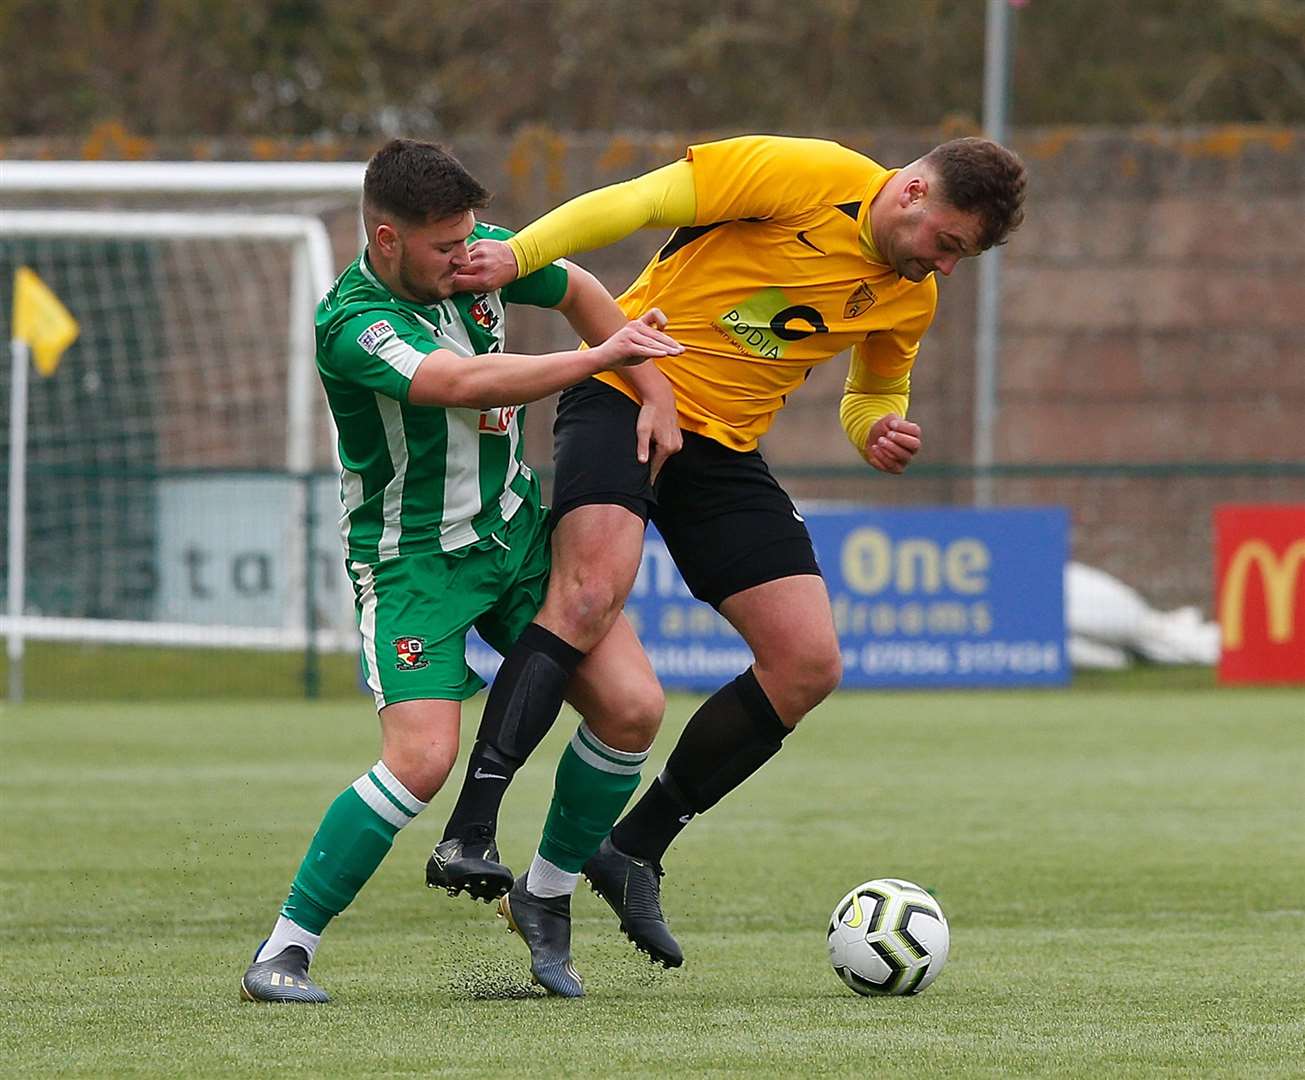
(444, 530)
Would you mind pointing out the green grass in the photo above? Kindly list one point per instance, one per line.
(67, 671)
(1124, 873)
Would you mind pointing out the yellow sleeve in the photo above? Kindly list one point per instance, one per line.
(879, 378)
(774, 177)
(664, 197)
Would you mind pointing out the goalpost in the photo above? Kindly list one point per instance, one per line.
(170, 483)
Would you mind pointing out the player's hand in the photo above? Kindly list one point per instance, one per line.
(892, 443)
(657, 430)
(638, 340)
(492, 265)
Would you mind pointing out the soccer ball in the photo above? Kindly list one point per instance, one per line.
(888, 936)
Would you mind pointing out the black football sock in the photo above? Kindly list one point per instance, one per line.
(733, 733)
(523, 703)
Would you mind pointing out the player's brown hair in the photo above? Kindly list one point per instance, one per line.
(983, 177)
(419, 182)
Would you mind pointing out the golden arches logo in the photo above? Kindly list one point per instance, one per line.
(1278, 580)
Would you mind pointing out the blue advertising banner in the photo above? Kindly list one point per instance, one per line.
(921, 598)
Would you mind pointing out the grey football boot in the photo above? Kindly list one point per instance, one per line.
(469, 864)
(632, 888)
(544, 923)
(283, 978)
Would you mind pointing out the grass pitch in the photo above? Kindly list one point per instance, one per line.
(1124, 872)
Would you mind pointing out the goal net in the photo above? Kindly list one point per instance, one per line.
(176, 473)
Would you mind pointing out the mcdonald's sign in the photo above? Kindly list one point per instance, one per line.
(1260, 587)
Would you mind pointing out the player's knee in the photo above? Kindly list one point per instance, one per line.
(583, 604)
(632, 722)
(826, 674)
(643, 713)
(421, 767)
(811, 675)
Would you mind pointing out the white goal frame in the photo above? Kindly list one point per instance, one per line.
(312, 274)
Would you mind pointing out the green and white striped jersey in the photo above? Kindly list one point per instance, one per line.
(420, 478)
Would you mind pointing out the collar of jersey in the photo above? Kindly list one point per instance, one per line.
(865, 238)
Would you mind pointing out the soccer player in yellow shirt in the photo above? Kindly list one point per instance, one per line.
(785, 252)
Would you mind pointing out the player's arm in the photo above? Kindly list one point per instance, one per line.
(663, 198)
(873, 411)
(878, 388)
(389, 354)
(478, 382)
(593, 314)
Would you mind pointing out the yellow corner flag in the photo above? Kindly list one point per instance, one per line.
(41, 320)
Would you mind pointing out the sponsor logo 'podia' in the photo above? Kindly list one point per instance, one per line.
(765, 324)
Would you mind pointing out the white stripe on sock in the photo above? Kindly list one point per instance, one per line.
(375, 798)
(602, 764)
(395, 788)
(626, 757)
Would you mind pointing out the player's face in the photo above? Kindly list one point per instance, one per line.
(932, 237)
(430, 254)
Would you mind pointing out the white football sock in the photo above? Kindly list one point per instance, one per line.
(544, 879)
(287, 933)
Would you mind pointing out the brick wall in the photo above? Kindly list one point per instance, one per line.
(1153, 311)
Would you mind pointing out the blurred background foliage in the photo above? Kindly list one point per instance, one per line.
(435, 67)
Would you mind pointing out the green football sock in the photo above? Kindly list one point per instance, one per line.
(354, 836)
(592, 786)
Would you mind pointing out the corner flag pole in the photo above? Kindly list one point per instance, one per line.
(19, 359)
(42, 330)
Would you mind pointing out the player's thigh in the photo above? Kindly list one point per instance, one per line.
(595, 452)
(727, 523)
(596, 555)
(789, 625)
(602, 495)
(786, 621)
(413, 615)
(527, 567)
(617, 692)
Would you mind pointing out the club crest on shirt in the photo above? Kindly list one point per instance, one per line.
(861, 300)
(370, 339)
(411, 653)
(482, 314)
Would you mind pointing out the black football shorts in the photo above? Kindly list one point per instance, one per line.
(726, 521)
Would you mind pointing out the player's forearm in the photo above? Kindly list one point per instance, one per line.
(650, 384)
(859, 412)
(480, 382)
(593, 314)
(664, 198)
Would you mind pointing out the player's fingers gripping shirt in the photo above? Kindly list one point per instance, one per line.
(420, 478)
(772, 280)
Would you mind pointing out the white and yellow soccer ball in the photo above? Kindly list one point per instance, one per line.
(888, 936)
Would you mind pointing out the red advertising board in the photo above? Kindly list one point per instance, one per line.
(1260, 588)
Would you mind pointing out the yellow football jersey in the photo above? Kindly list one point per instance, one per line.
(771, 280)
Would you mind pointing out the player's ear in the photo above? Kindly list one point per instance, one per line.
(386, 238)
(914, 190)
